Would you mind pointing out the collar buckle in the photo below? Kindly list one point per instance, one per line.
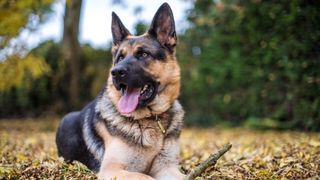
(160, 124)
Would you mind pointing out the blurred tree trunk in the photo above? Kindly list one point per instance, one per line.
(71, 47)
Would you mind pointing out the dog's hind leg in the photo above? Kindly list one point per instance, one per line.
(70, 143)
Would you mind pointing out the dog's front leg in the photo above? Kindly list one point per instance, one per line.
(113, 163)
(165, 165)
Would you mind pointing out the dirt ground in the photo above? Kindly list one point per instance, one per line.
(28, 151)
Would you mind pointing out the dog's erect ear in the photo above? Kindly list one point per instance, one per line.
(163, 28)
(119, 31)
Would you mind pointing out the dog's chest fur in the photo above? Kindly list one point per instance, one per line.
(141, 140)
(135, 142)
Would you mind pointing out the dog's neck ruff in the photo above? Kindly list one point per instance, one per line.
(156, 117)
(168, 124)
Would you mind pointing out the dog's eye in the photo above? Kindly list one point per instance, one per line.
(121, 57)
(144, 54)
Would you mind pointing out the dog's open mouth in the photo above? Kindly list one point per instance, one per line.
(133, 98)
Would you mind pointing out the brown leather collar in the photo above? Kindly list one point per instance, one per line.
(158, 118)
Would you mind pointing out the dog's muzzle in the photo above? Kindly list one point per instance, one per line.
(136, 86)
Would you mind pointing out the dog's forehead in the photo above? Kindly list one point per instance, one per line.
(143, 43)
(134, 42)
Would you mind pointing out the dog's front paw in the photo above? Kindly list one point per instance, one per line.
(170, 174)
(123, 175)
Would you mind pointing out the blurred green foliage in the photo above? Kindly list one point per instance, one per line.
(243, 62)
(17, 71)
(252, 60)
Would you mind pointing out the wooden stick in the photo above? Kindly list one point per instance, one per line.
(211, 161)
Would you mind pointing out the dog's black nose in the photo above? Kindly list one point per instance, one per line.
(119, 72)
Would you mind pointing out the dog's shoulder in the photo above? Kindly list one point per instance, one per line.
(176, 120)
(89, 119)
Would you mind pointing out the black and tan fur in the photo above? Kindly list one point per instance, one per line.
(132, 146)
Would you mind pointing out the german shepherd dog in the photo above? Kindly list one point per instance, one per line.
(131, 130)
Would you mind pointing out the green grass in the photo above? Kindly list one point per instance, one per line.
(27, 150)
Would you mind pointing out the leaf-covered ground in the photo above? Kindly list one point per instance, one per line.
(28, 151)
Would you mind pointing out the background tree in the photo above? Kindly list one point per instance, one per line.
(71, 47)
(15, 62)
(18, 68)
(37, 82)
(18, 15)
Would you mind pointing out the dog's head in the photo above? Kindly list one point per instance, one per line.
(145, 76)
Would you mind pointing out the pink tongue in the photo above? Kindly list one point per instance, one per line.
(129, 100)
